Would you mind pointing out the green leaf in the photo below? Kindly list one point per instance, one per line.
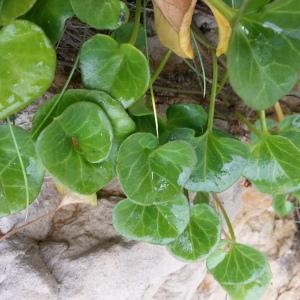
(271, 125)
(120, 70)
(261, 74)
(274, 165)
(157, 224)
(104, 14)
(251, 291)
(122, 124)
(12, 183)
(187, 115)
(289, 127)
(27, 66)
(51, 15)
(221, 162)
(282, 206)
(201, 198)
(149, 174)
(147, 123)
(122, 35)
(184, 134)
(11, 9)
(201, 235)
(236, 264)
(75, 147)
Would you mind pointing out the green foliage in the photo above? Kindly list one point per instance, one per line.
(282, 206)
(27, 66)
(120, 70)
(51, 15)
(13, 187)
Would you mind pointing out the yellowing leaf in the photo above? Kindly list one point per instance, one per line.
(224, 30)
(173, 20)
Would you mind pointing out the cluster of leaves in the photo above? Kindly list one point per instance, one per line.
(169, 168)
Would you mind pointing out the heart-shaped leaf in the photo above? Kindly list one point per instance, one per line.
(157, 224)
(11, 9)
(274, 165)
(184, 134)
(27, 66)
(173, 19)
(187, 115)
(12, 183)
(234, 263)
(282, 206)
(289, 127)
(149, 174)
(104, 14)
(51, 15)
(120, 70)
(260, 73)
(201, 235)
(120, 121)
(75, 147)
(221, 162)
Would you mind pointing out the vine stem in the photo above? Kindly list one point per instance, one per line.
(136, 25)
(279, 112)
(213, 93)
(21, 164)
(228, 12)
(161, 66)
(262, 116)
(35, 133)
(226, 217)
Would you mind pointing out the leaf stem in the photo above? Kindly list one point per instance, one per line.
(21, 164)
(161, 66)
(36, 132)
(213, 93)
(136, 26)
(264, 127)
(250, 126)
(228, 12)
(223, 82)
(226, 217)
(279, 111)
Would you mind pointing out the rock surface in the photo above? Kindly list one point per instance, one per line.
(74, 253)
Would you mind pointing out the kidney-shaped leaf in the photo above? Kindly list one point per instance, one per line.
(11, 9)
(75, 147)
(264, 57)
(234, 263)
(172, 21)
(158, 223)
(104, 14)
(221, 162)
(12, 182)
(274, 165)
(149, 174)
(201, 235)
(51, 15)
(120, 70)
(27, 66)
(122, 124)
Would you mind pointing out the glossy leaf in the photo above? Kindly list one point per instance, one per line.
(274, 165)
(236, 264)
(75, 147)
(187, 115)
(201, 235)
(271, 125)
(282, 206)
(149, 174)
(184, 134)
(27, 66)
(51, 15)
(120, 70)
(11, 9)
(172, 21)
(104, 14)
(147, 124)
(263, 59)
(221, 162)
(290, 128)
(201, 198)
(12, 184)
(158, 224)
(122, 124)
(122, 35)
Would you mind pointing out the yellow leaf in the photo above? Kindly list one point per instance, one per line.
(173, 20)
(224, 30)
